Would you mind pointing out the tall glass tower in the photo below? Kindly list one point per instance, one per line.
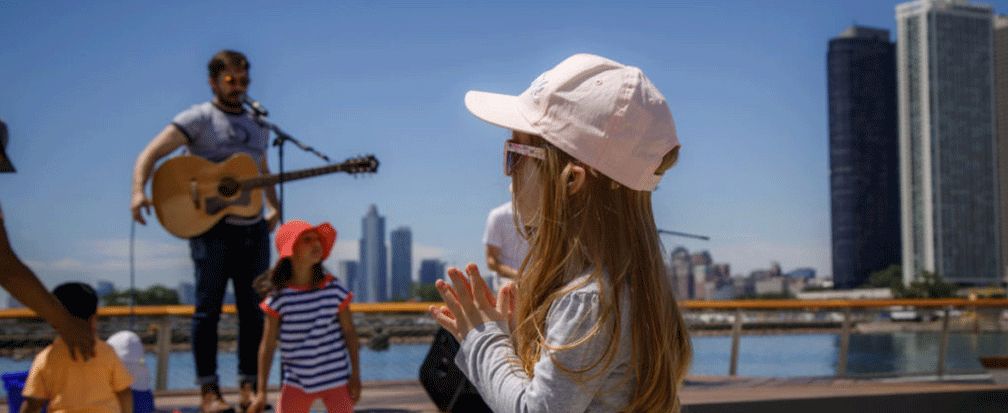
(864, 154)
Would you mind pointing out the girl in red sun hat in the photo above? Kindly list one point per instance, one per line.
(308, 313)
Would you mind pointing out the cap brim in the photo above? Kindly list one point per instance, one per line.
(498, 109)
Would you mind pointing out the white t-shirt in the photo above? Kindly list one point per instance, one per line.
(501, 233)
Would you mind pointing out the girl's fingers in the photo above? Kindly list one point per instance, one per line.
(466, 301)
(443, 319)
(502, 303)
(461, 285)
(461, 318)
(509, 304)
(484, 298)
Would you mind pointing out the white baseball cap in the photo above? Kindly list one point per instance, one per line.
(601, 112)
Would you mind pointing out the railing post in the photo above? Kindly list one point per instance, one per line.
(736, 333)
(164, 333)
(943, 343)
(841, 369)
(976, 320)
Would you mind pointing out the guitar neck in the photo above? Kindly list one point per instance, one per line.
(272, 179)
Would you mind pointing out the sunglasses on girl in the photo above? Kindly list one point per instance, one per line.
(514, 151)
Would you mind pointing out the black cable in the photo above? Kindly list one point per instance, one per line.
(132, 303)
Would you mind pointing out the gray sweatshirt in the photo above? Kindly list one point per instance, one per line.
(486, 356)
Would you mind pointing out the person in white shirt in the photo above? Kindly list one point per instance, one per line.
(506, 247)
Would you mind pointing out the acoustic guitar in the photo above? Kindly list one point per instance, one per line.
(191, 194)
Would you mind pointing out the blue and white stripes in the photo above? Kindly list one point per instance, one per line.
(312, 349)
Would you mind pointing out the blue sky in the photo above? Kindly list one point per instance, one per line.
(85, 86)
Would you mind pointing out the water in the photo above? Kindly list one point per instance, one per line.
(760, 356)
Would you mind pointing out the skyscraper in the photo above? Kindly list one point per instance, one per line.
(186, 293)
(401, 281)
(948, 185)
(431, 270)
(350, 276)
(373, 257)
(682, 274)
(103, 288)
(1001, 82)
(864, 154)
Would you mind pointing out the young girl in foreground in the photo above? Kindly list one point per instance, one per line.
(591, 324)
(309, 313)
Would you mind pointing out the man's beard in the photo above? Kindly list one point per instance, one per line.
(230, 101)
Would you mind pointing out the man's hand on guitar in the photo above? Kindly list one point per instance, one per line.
(272, 218)
(139, 202)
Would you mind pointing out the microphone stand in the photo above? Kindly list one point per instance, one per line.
(281, 138)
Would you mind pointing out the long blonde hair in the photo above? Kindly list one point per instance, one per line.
(610, 230)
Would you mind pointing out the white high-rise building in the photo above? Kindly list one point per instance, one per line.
(948, 169)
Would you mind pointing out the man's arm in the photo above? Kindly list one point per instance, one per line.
(272, 202)
(23, 285)
(125, 398)
(493, 254)
(32, 405)
(170, 139)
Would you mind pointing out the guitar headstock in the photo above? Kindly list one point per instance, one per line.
(360, 165)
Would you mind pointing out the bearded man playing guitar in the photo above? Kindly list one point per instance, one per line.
(237, 247)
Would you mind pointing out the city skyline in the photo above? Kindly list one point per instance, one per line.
(747, 95)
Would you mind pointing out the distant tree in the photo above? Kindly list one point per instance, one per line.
(426, 292)
(891, 278)
(927, 284)
(930, 285)
(768, 296)
(154, 295)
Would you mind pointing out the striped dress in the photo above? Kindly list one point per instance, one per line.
(313, 352)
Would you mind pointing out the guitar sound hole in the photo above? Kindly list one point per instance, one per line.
(228, 187)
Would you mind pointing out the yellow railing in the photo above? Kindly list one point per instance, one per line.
(421, 307)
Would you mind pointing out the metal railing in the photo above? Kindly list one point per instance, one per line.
(165, 315)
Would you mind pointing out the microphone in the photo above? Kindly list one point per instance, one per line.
(255, 106)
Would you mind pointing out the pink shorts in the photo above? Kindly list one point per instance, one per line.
(295, 400)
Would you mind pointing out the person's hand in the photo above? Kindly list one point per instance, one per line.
(258, 403)
(468, 303)
(78, 337)
(138, 203)
(354, 386)
(272, 219)
(506, 303)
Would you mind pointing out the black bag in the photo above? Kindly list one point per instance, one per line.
(447, 387)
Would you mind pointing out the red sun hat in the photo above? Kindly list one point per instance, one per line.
(290, 231)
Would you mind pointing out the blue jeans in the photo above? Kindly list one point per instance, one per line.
(228, 252)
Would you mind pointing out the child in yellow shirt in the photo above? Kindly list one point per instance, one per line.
(98, 385)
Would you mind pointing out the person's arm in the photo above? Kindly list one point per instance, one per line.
(486, 352)
(125, 398)
(271, 330)
(33, 405)
(493, 254)
(353, 347)
(23, 285)
(170, 139)
(272, 201)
